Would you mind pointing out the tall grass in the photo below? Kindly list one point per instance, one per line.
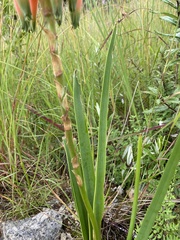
(30, 146)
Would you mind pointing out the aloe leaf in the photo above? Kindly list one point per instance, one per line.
(80, 207)
(82, 203)
(84, 143)
(161, 191)
(102, 138)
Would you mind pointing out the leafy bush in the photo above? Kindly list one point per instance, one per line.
(166, 225)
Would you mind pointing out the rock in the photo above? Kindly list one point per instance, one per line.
(45, 225)
(66, 236)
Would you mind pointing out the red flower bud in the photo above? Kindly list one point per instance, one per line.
(33, 6)
(27, 10)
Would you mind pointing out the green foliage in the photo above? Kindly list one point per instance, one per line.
(92, 186)
(166, 225)
(171, 18)
(162, 188)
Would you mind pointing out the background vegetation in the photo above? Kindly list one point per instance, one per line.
(144, 98)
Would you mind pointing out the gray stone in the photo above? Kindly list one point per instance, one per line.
(66, 236)
(44, 226)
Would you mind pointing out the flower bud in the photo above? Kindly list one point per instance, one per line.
(20, 13)
(57, 6)
(33, 7)
(27, 10)
(75, 15)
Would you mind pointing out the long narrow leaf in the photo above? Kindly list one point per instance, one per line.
(170, 3)
(84, 143)
(102, 138)
(171, 20)
(136, 193)
(162, 189)
(82, 203)
(82, 213)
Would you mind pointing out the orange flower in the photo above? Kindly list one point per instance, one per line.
(33, 6)
(21, 15)
(27, 10)
(75, 14)
(79, 4)
(18, 9)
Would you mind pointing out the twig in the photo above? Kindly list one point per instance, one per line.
(57, 125)
(118, 21)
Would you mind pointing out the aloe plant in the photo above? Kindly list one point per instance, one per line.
(87, 179)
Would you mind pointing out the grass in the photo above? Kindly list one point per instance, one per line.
(32, 158)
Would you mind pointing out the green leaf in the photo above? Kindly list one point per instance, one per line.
(175, 17)
(153, 90)
(162, 189)
(165, 34)
(136, 192)
(170, 20)
(84, 143)
(80, 207)
(102, 138)
(171, 4)
(173, 62)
